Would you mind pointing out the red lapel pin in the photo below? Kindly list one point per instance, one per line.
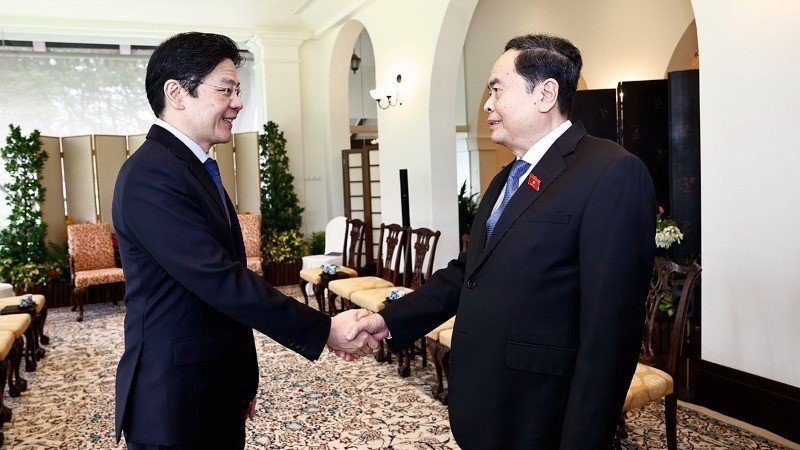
(534, 182)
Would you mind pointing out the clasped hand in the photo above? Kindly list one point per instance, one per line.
(356, 333)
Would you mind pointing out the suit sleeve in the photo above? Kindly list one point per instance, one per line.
(419, 312)
(616, 253)
(163, 214)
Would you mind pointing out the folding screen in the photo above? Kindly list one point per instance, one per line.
(79, 178)
(110, 153)
(597, 110)
(223, 153)
(53, 206)
(248, 173)
(134, 142)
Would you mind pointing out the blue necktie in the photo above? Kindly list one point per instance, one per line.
(512, 183)
(213, 170)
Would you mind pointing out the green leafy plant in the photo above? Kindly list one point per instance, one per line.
(281, 213)
(22, 246)
(317, 243)
(667, 231)
(467, 207)
(285, 246)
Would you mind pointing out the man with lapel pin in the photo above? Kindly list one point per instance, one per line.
(549, 298)
(189, 375)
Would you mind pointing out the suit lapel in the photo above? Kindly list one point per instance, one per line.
(546, 170)
(183, 152)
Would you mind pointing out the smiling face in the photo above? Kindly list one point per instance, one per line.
(514, 116)
(209, 116)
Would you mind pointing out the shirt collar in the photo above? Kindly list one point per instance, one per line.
(535, 153)
(201, 155)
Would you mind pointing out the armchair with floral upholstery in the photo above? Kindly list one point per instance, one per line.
(91, 260)
(251, 233)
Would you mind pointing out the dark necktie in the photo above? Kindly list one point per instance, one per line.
(213, 170)
(512, 183)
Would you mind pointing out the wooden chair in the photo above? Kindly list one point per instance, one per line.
(442, 369)
(354, 232)
(650, 384)
(251, 234)
(389, 265)
(420, 251)
(91, 260)
(18, 325)
(6, 345)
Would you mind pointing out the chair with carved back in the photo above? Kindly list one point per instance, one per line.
(389, 265)
(353, 247)
(91, 260)
(420, 252)
(650, 384)
(251, 234)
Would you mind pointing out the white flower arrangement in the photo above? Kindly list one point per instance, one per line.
(667, 231)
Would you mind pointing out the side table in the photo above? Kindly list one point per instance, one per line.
(319, 290)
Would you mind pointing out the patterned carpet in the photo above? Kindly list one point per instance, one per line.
(328, 404)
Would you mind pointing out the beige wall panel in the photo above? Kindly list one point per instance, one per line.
(223, 153)
(134, 142)
(248, 172)
(79, 177)
(110, 153)
(53, 206)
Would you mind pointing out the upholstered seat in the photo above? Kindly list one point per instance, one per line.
(251, 234)
(35, 333)
(346, 288)
(375, 299)
(313, 275)
(91, 260)
(648, 385)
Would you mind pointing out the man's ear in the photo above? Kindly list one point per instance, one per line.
(548, 98)
(173, 94)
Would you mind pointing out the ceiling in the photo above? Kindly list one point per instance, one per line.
(243, 17)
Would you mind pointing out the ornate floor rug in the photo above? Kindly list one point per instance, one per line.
(327, 404)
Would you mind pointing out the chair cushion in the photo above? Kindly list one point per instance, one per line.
(101, 276)
(251, 233)
(15, 323)
(434, 334)
(6, 342)
(90, 246)
(37, 299)
(648, 385)
(313, 274)
(254, 264)
(374, 299)
(446, 337)
(345, 288)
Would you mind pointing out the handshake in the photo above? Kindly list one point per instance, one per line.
(356, 333)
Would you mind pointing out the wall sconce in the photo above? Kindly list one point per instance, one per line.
(355, 62)
(389, 93)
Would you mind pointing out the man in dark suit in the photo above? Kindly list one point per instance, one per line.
(188, 376)
(549, 297)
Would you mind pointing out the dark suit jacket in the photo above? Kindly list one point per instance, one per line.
(189, 368)
(549, 313)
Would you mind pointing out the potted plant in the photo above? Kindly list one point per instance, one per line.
(281, 213)
(22, 249)
(467, 207)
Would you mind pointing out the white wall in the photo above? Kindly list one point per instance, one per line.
(751, 248)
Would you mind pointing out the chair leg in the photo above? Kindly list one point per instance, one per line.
(5, 411)
(332, 303)
(80, 297)
(443, 357)
(404, 362)
(380, 355)
(303, 284)
(40, 320)
(423, 352)
(12, 373)
(30, 349)
(438, 386)
(319, 295)
(671, 413)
